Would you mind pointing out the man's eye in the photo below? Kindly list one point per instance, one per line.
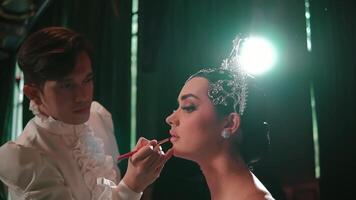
(189, 109)
(88, 80)
(67, 85)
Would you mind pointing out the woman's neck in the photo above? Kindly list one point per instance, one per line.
(225, 174)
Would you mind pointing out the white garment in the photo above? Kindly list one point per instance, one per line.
(54, 160)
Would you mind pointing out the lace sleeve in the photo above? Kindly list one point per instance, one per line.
(30, 175)
(123, 192)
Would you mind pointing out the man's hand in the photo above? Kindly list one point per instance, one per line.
(145, 166)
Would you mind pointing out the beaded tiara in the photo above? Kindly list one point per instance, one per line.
(233, 82)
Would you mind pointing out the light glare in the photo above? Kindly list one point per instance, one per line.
(257, 56)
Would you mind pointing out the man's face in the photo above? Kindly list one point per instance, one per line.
(69, 99)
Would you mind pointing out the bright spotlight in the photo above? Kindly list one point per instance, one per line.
(257, 55)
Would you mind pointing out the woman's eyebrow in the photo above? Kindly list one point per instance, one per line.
(183, 97)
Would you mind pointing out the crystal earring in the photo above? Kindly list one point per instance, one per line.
(225, 134)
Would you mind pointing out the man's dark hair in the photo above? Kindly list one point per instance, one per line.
(50, 54)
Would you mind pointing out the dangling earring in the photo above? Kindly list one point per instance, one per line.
(225, 134)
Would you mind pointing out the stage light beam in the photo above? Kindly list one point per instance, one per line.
(257, 55)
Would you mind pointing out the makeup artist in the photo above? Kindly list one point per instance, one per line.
(68, 150)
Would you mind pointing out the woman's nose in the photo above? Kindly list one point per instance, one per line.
(170, 119)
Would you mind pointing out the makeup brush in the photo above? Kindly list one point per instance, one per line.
(129, 154)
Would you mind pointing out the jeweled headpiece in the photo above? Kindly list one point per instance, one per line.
(229, 81)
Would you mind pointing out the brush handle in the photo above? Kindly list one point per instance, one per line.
(129, 154)
(126, 155)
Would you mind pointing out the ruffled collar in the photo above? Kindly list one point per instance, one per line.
(87, 150)
(53, 125)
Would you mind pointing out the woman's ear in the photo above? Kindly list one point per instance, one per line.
(33, 93)
(232, 123)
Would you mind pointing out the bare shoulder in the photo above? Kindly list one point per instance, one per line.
(261, 192)
(260, 196)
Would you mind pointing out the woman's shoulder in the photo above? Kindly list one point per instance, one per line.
(21, 164)
(260, 192)
(261, 195)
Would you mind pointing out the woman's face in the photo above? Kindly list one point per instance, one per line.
(195, 127)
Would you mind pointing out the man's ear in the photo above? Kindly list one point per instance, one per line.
(33, 93)
(232, 122)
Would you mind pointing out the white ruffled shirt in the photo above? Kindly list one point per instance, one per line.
(54, 160)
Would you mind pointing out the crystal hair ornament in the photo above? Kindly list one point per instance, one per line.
(235, 86)
(239, 82)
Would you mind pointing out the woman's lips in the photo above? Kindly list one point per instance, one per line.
(174, 137)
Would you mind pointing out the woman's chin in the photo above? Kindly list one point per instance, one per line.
(180, 154)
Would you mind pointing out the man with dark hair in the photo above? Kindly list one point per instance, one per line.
(68, 150)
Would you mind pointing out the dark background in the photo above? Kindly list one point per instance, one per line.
(178, 37)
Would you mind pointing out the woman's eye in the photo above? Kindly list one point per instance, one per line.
(189, 109)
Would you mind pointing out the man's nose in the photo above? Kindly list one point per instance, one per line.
(81, 94)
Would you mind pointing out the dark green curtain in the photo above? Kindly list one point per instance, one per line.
(107, 24)
(7, 80)
(334, 72)
(179, 37)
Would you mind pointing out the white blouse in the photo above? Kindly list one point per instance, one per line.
(54, 160)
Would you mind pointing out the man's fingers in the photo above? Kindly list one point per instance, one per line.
(158, 148)
(142, 153)
(141, 143)
(153, 142)
(150, 161)
(162, 161)
(169, 153)
(158, 170)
